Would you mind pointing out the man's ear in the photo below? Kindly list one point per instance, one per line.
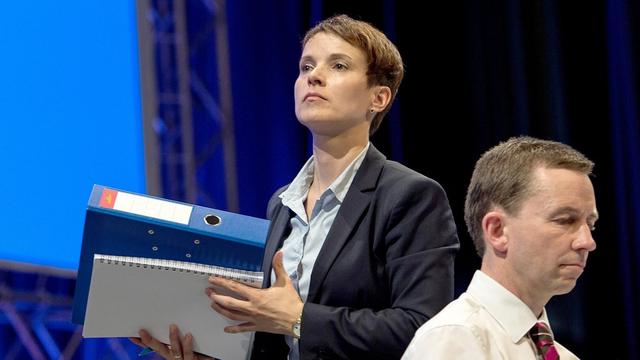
(493, 227)
(381, 98)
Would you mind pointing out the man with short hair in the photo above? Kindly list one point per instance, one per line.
(530, 210)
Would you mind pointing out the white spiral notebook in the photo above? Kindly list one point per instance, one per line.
(129, 293)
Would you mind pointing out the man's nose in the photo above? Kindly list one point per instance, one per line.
(585, 239)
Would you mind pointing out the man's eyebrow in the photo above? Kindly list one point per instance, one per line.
(565, 210)
(573, 211)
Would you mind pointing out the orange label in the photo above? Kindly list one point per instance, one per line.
(108, 198)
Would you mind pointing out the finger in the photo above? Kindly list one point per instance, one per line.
(149, 341)
(233, 286)
(137, 341)
(244, 327)
(278, 268)
(187, 349)
(231, 303)
(230, 314)
(176, 345)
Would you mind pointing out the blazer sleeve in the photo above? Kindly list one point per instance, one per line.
(413, 235)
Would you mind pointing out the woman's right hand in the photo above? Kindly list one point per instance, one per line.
(180, 348)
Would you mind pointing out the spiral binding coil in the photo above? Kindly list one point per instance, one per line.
(251, 278)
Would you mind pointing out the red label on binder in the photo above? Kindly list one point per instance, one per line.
(108, 198)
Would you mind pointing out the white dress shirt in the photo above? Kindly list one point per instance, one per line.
(485, 322)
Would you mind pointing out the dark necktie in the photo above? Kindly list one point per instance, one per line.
(542, 338)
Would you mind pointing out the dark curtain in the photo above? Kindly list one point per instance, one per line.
(477, 72)
(622, 59)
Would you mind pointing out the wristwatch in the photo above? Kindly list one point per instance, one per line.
(296, 327)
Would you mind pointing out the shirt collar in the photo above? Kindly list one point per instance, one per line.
(342, 183)
(294, 196)
(515, 317)
(299, 187)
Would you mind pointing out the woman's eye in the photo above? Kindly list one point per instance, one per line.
(305, 67)
(340, 66)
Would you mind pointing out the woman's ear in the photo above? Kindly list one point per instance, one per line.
(381, 98)
(493, 227)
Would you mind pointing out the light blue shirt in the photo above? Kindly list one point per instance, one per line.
(302, 246)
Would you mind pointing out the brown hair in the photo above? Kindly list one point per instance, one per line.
(384, 61)
(503, 177)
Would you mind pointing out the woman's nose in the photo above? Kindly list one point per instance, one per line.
(316, 76)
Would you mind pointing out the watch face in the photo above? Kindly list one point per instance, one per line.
(296, 329)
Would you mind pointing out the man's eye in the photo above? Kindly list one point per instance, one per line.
(565, 221)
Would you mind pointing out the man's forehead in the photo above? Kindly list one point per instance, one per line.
(563, 188)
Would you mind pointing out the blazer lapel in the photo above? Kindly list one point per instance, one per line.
(279, 227)
(353, 207)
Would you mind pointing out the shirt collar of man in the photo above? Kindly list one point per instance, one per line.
(299, 187)
(515, 317)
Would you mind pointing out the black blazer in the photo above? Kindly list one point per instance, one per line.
(385, 268)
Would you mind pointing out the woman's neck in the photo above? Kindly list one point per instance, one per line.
(332, 156)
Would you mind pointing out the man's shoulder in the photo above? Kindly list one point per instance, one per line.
(463, 311)
(460, 325)
(465, 325)
(463, 315)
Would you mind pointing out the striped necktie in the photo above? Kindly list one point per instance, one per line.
(543, 339)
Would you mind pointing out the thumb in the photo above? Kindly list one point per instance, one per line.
(282, 278)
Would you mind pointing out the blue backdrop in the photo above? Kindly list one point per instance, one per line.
(71, 117)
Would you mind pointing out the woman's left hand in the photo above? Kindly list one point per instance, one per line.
(181, 348)
(275, 309)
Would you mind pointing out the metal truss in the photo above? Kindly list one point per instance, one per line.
(35, 318)
(188, 134)
(187, 105)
